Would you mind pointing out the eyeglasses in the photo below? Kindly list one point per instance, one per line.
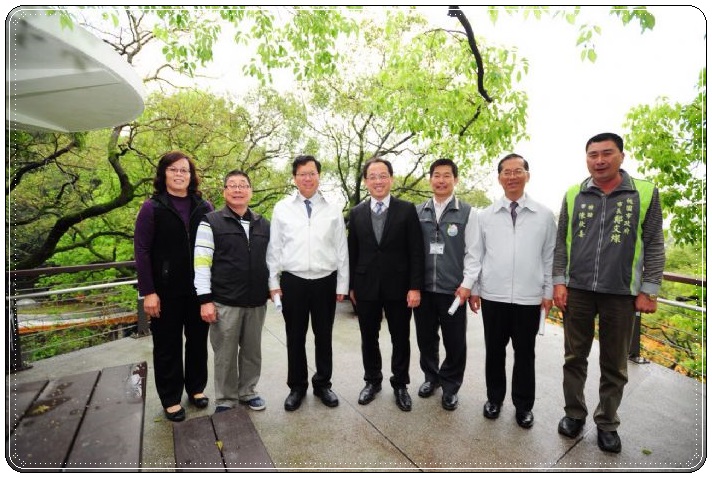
(241, 187)
(382, 177)
(516, 173)
(311, 174)
(178, 170)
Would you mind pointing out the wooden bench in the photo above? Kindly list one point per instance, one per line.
(225, 441)
(91, 420)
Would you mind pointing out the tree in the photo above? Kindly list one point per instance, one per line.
(217, 133)
(66, 191)
(410, 93)
(77, 185)
(669, 141)
(587, 32)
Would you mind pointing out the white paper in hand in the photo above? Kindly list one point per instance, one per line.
(277, 302)
(542, 321)
(454, 306)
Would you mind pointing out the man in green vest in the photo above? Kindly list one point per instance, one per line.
(608, 262)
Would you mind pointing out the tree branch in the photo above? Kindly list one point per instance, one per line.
(454, 11)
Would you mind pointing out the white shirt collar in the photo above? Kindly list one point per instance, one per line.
(386, 202)
(316, 197)
(441, 205)
(523, 202)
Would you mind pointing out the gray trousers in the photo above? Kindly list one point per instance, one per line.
(236, 338)
(616, 317)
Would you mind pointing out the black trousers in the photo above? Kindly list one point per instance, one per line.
(503, 321)
(370, 314)
(302, 298)
(179, 316)
(430, 317)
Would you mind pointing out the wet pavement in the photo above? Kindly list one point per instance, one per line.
(663, 414)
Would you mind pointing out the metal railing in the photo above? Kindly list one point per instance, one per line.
(48, 322)
(105, 311)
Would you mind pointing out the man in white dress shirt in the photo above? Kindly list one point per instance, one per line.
(308, 266)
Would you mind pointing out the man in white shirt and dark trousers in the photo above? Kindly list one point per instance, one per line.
(308, 266)
(449, 228)
(516, 250)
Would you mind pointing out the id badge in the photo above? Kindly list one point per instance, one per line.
(437, 248)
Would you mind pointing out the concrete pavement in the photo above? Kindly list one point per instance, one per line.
(663, 413)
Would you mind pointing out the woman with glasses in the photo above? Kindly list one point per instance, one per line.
(163, 248)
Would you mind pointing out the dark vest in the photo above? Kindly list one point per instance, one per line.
(239, 274)
(444, 272)
(172, 250)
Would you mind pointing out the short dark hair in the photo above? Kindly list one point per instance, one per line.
(444, 162)
(237, 172)
(376, 159)
(159, 182)
(303, 159)
(512, 156)
(601, 137)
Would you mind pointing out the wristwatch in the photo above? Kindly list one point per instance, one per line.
(652, 296)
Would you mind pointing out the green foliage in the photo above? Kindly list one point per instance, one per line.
(674, 337)
(219, 134)
(688, 260)
(629, 14)
(44, 345)
(669, 142)
(409, 93)
(587, 33)
(389, 85)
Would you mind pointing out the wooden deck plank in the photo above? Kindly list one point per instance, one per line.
(195, 446)
(111, 434)
(44, 436)
(21, 397)
(242, 447)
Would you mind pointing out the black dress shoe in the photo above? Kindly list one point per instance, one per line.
(368, 393)
(525, 418)
(491, 410)
(177, 416)
(328, 397)
(200, 402)
(449, 401)
(294, 400)
(609, 441)
(403, 399)
(571, 427)
(427, 389)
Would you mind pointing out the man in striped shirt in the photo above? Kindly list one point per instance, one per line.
(231, 282)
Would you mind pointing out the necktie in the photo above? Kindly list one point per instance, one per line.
(379, 207)
(308, 204)
(513, 210)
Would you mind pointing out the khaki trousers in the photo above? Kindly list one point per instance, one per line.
(237, 352)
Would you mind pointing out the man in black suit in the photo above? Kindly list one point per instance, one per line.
(386, 268)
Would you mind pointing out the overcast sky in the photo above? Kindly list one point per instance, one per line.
(571, 100)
